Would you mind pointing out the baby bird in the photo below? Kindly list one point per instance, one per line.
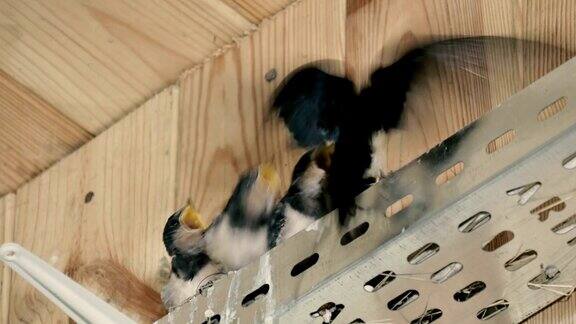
(191, 267)
(237, 236)
(306, 199)
(240, 233)
(319, 107)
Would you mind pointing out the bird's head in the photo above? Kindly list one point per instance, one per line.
(254, 197)
(183, 230)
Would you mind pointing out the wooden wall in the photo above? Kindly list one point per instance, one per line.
(193, 139)
(70, 69)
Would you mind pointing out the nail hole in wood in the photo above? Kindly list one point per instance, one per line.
(89, 196)
(271, 75)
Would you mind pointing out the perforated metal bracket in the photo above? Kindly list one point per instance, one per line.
(494, 243)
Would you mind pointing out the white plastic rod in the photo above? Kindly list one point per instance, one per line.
(76, 301)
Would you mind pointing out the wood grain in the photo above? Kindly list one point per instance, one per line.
(380, 31)
(7, 210)
(226, 125)
(130, 169)
(33, 134)
(257, 10)
(97, 60)
(563, 311)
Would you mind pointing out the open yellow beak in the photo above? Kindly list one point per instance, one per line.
(191, 219)
(269, 176)
(323, 156)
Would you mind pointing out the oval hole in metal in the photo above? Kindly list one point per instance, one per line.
(572, 242)
(379, 281)
(423, 253)
(469, 291)
(566, 226)
(449, 173)
(304, 265)
(501, 141)
(354, 233)
(520, 260)
(474, 222)
(399, 205)
(357, 321)
(447, 272)
(552, 109)
(569, 163)
(255, 295)
(212, 320)
(493, 309)
(429, 316)
(544, 209)
(328, 312)
(403, 299)
(498, 241)
(546, 276)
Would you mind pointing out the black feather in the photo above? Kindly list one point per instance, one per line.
(172, 225)
(310, 102)
(187, 266)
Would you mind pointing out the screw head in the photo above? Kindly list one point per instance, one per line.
(271, 75)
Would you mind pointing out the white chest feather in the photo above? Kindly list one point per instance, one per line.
(177, 291)
(295, 222)
(379, 156)
(235, 247)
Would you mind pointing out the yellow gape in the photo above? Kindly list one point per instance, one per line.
(191, 219)
(268, 174)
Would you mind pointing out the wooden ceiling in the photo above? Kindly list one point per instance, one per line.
(70, 69)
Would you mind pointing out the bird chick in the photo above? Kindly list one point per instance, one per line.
(240, 233)
(306, 199)
(237, 236)
(317, 107)
(190, 265)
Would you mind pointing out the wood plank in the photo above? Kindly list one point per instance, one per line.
(7, 209)
(130, 172)
(33, 134)
(97, 60)
(226, 125)
(257, 10)
(380, 31)
(562, 311)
